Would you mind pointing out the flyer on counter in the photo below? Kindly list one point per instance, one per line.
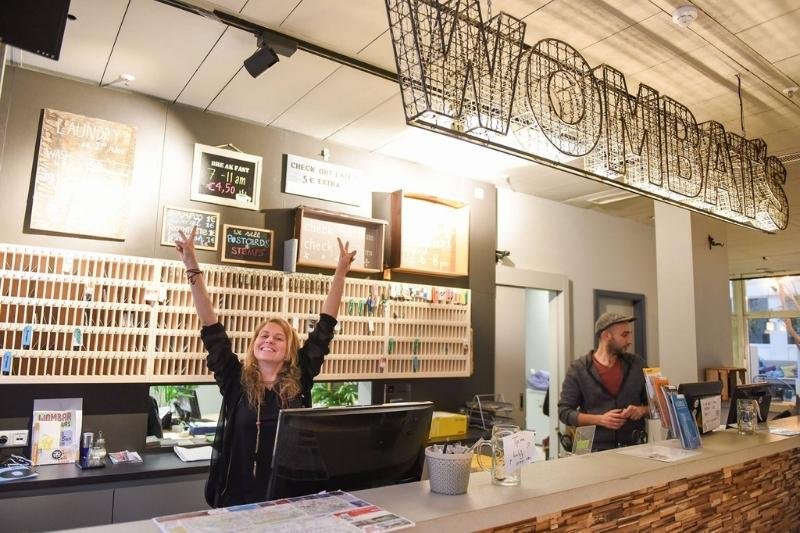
(56, 431)
(332, 512)
(658, 453)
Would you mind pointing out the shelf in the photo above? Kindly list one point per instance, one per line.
(135, 319)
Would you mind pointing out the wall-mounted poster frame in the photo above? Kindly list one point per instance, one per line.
(78, 160)
(317, 230)
(316, 179)
(428, 234)
(175, 218)
(226, 177)
(246, 245)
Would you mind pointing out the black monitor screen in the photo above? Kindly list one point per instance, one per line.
(348, 448)
(34, 25)
(187, 406)
(694, 392)
(760, 392)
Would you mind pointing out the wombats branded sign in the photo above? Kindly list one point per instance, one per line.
(251, 246)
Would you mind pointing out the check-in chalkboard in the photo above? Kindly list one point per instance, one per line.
(317, 230)
(177, 218)
(226, 177)
(252, 246)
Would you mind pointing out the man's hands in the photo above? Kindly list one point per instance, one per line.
(615, 418)
(185, 247)
(635, 412)
(612, 419)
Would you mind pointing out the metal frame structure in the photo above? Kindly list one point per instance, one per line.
(478, 81)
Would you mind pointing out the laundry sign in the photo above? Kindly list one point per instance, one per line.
(317, 179)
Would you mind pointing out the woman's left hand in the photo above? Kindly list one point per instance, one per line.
(346, 257)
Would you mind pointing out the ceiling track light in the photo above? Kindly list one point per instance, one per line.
(269, 47)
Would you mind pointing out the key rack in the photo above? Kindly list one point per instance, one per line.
(70, 316)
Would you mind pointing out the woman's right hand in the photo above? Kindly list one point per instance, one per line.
(185, 247)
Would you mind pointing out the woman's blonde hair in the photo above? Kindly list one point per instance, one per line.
(287, 382)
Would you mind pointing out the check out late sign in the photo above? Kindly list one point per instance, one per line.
(317, 179)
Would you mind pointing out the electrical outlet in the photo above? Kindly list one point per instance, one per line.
(14, 438)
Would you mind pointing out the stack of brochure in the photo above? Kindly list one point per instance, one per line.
(672, 409)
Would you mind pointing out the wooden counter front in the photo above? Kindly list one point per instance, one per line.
(751, 481)
(734, 483)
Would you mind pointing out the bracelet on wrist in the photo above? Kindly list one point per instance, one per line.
(191, 274)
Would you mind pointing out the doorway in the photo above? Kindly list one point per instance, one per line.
(625, 303)
(531, 317)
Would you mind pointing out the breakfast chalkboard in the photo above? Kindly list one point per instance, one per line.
(252, 246)
(83, 176)
(428, 234)
(226, 177)
(317, 230)
(178, 218)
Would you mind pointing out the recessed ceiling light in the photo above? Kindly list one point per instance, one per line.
(684, 15)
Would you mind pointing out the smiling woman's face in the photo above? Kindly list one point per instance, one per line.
(270, 346)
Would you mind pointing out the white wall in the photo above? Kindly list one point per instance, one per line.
(594, 250)
(537, 330)
(711, 294)
(676, 304)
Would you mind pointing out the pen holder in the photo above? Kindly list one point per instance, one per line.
(448, 472)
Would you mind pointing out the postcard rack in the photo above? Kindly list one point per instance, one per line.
(70, 316)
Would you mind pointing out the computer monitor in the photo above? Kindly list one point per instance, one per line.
(34, 25)
(187, 406)
(760, 392)
(348, 448)
(694, 392)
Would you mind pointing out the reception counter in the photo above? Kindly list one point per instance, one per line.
(734, 483)
(64, 496)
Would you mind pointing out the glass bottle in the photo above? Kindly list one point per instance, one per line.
(100, 446)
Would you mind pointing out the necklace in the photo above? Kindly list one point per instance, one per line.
(258, 437)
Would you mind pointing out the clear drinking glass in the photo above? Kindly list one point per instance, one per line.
(499, 474)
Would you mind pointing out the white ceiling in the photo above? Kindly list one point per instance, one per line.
(188, 59)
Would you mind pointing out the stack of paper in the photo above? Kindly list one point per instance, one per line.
(200, 453)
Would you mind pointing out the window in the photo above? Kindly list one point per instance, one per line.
(771, 324)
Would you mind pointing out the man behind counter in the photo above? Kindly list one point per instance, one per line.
(606, 387)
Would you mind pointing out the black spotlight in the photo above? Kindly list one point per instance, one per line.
(260, 61)
(270, 44)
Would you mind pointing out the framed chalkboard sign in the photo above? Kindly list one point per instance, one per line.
(251, 246)
(78, 161)
(226, 177)
(179, 218)
(317, 230)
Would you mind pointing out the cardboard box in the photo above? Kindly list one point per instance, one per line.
(444, 424)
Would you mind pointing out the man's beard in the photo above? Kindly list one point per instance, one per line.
(617, 349)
